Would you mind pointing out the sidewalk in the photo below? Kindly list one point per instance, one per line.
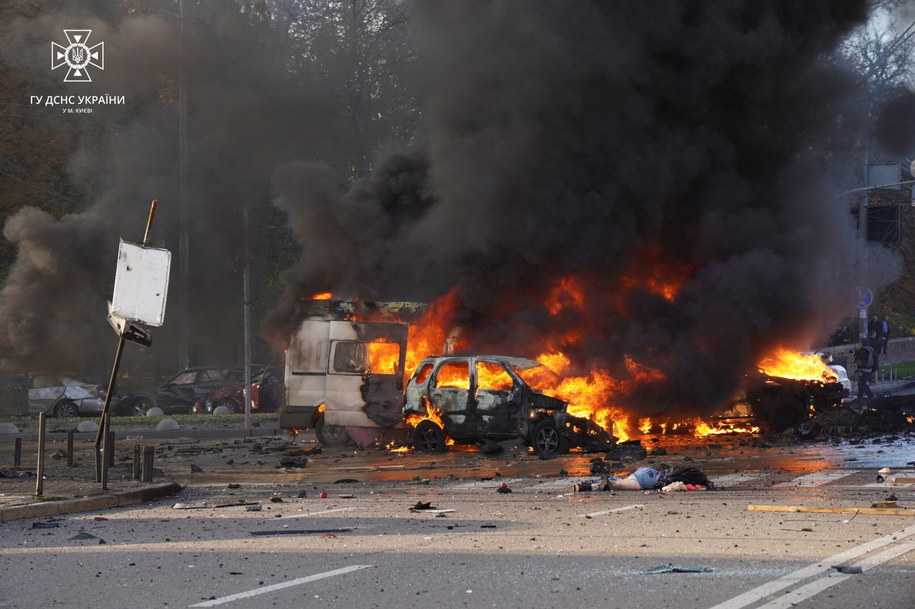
(70, 489)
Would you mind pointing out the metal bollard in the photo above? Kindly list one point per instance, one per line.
(17, 453)
(39, 483)
(110, 448)
(135, 473)
(70, 447)
(149, 453)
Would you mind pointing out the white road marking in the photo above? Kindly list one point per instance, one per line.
(792, 598)
(815, 479)
(613, 511)
(819, 568)
(274, 587)
(349, 509)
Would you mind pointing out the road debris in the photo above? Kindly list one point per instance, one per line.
(677, 569)
(190, 506)
(300, 532)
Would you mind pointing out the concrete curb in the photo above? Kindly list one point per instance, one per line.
(89, 504)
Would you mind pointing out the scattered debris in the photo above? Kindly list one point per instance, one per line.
(848, 569)
(15, 473)
(45, 525)
(293, 463)
(885, 504)
(82, 536)
(276, 500)
(190, 506)
(255, 507)
(302, 495)
(677, 569)
(323, 495)
(234, 485)
(503, 489)
(301, 532)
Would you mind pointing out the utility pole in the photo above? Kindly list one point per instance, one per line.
(184, 268)
(246, 296)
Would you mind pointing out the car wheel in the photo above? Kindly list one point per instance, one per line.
(546, 440)
(229, 404)
(789, 413)
(66, 409)
(330, 435)
(140, 406)
(429, 438)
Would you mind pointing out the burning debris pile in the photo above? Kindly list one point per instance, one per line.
(631, 200)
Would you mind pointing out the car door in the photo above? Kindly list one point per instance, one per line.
(177, 394)
(496, 407)
(449, 392)
(364, 382)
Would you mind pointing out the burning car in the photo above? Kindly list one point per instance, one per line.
(267, 394)
(780, 402)
(472, 399)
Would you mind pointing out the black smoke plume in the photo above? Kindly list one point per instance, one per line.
(616, 144)
(245, 117)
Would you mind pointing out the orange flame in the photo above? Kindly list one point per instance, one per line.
(789, 364)
(432, 334)
(383, 356)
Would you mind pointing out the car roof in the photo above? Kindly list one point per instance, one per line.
(520, 363)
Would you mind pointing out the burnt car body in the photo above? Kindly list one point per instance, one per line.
(267, 394)
(474, 399)
(179, 393)
(59, 396)
(780, 403)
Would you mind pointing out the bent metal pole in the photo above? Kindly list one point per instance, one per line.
(101, 473)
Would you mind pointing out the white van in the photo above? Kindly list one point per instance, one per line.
(345, 374)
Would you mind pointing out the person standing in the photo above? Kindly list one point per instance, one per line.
(866, 365)
(883, 333)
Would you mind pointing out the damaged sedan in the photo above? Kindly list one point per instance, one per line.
(485, 398)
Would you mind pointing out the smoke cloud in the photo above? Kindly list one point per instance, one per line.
(245, 117)
(623, 147)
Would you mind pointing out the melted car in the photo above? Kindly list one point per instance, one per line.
(178, 394)
(474, 399)
(61, 396)
(267, 394)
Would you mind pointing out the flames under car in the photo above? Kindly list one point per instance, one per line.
(486, 398)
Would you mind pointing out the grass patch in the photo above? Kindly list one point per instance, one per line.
(903, 369)
(186, 421)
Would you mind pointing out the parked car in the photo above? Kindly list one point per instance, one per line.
(60, 396)
(178, 394)
(268, 392)
(473, 399)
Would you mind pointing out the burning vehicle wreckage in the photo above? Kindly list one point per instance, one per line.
(346, 369)
(345, 379)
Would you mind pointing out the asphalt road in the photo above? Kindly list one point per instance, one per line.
(539, 546)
